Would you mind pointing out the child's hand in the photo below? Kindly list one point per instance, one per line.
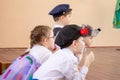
(89, 59)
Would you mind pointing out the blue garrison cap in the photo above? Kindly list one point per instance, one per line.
(60, 10)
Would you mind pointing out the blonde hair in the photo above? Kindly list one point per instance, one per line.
(38, 33)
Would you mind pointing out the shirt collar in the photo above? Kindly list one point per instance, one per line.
(58, 25)
(39, 47)
(40, 53)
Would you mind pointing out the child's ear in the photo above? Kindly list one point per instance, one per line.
(45, 40)
(74, 43)
(62, 17)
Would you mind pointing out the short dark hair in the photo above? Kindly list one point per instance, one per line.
(65, 14)
(68, 34)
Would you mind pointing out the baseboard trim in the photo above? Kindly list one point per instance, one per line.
(88, 47)
(104, 47)
(14, 48)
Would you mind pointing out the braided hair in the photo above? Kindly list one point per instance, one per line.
(37, 35)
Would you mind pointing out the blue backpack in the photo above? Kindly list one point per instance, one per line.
(21, 69)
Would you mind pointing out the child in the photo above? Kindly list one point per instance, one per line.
(42, 43)
(88, 41)
(42, 40)
(61, 15)
(63, 64)
(91, 33)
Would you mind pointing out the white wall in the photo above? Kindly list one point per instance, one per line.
(19, 17)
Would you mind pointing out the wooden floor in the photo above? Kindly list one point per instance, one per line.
(105, 67)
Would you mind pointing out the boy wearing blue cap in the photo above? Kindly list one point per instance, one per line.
(61, 15)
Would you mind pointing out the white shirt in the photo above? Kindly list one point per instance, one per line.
(40, 53)
(58, 25)
(62, 65)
